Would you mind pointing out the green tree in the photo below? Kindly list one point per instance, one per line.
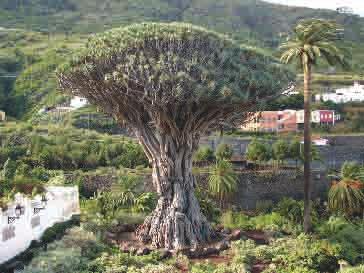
(258, 151)
(346, 196)
(224, 152)
(312, 40)
(222, 180)
(295, 151)
(171, 82)
(280, 151)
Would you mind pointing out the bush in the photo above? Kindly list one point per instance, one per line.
(347, 235)
(272, 222)
(224, 152)
(287, 255)
(204, 154)
(259, 151)
(145, 202)
(293, 210)
(208, 206)
(71, 254)
(231, 219)
(264, 206)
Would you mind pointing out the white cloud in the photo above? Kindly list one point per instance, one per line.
(356, 5)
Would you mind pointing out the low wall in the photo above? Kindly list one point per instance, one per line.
(273, 185)
(16, 237)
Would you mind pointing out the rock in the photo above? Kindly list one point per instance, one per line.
(209, 251)
(235, 235)
(226, 230)
(224, 245)
(165, 254)
(110, 235)
(184, 251)
(120, 228)
(143, 251)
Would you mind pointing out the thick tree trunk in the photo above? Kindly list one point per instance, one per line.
(177, 221)
(307, 150)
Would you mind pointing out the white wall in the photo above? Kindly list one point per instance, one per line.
(63, 203)
(78, 102)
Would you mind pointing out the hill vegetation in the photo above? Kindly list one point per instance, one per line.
(37, 35)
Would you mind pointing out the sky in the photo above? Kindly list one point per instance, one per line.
(356, 5)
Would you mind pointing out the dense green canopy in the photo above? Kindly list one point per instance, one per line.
(174, 62)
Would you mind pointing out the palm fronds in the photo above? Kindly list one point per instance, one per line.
(223, 179)
(346, 197)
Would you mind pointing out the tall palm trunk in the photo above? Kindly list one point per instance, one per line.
(307, 149)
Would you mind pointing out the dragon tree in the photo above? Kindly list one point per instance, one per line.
(171, 82)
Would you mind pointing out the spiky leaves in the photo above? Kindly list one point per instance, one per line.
(180, 70)
(346, 197)
(222, 180)
(312, 40)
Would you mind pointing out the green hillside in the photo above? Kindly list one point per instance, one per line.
(37, 35)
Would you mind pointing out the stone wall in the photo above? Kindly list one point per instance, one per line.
(271, 185)
(274, 186)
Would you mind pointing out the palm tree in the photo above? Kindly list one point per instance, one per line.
(346, 197)
(222, 180)
(313, 39)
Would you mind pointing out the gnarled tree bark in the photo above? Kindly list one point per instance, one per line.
(177, 221)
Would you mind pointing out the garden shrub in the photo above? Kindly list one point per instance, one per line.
(204, 153)
(293, 210)
(121, 262)
(347, 235)
(59, 260)
(264, 206)
(58, 230)
(145, 202)
(208, 206)
(287, 255)
(267, 222)
(224, 152)
(272, 222)
(71, 254)
(230, 219)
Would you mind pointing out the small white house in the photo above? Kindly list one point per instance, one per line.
(315, 116)
(78, 102)
(2, 116)
(353, 93)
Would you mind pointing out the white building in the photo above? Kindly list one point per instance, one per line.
(353, 93)
(315, 116)
(319, 117)
(19, 226)
(78, 102)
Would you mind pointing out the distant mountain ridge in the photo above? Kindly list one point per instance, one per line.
(262, 20)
